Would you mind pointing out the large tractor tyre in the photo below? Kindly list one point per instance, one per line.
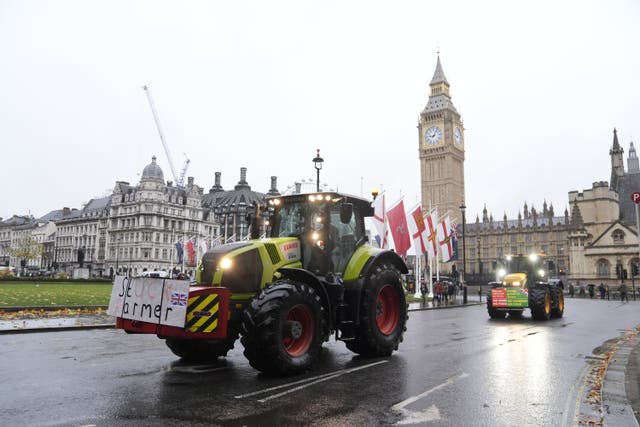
(283, 328)
(383, 314)
(494, 313)
(557, 306)
(540, 303)
(203, 350)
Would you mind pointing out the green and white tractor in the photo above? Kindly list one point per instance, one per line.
(315, 276)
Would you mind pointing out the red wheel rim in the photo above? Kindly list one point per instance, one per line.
(297, 346)
(387, 309)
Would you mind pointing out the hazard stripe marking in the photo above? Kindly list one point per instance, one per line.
(209, 304)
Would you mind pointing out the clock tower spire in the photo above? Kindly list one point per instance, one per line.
(441, 149)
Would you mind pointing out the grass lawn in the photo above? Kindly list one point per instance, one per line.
(16, 294)
(20, 294)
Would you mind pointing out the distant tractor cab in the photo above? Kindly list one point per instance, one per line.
(524, 283)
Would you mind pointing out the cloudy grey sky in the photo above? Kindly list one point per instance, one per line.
(540, 86)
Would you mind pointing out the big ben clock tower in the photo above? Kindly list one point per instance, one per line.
(441, 148)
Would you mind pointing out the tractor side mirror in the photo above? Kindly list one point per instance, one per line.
(346, 212)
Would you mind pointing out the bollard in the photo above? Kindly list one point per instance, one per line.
(464, 294)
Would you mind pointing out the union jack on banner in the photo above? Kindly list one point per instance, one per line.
(179, 298)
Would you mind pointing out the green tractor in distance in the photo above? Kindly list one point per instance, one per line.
(524, 284)
(315, 276)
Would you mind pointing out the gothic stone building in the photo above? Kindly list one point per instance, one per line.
(603, 239)
(441, 150)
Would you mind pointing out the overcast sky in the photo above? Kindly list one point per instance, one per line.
(540, 86)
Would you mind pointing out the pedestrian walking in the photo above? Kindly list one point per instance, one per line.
(438, 292)
(451, 290)
(571, 290)
(424, 290)
(601, 290)
(606, 289)
(623, 293)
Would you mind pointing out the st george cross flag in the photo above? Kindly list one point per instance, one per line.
(444, 239)
(432, 235)
(418, 230)
(380, 219)
(204, 245)
(399, 231)
(191, 251)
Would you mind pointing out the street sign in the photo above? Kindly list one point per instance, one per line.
(635, 197)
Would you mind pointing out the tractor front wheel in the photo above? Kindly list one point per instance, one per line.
(540, 303)
(557, 307)
(282, 329)
(383, 314)
(494, 313)
(202, 350)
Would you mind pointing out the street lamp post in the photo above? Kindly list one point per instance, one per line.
(463, 208)
(117, 252)
(317, 163)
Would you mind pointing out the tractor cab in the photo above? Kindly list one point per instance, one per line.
(522, 271)
(330, 227)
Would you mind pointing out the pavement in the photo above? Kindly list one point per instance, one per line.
(616, 369)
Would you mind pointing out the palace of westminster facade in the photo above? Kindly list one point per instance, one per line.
(136, 228)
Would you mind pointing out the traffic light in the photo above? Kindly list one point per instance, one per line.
(624, 273)
(634, 269)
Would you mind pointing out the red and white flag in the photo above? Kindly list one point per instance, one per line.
(445, 239)
(380, 220)
(418, 230)
(397, 220)
(432, 235)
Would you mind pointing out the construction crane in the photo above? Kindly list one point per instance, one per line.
(179, 178)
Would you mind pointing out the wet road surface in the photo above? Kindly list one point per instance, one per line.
(455, 367)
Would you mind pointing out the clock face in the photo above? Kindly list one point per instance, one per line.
(458, 135)
(433, 135)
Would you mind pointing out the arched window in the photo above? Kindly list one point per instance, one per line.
(618, 237)
(603, 268)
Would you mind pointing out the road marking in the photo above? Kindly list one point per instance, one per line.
(582, 377)
(305, 383)
(429, 414)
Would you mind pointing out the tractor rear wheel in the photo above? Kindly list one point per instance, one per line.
(557, 306)
(494, 313)
(383, 314)
(540, 303)
(282, 329)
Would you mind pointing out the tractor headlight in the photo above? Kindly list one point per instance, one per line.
(533, 257)
(225, 263)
